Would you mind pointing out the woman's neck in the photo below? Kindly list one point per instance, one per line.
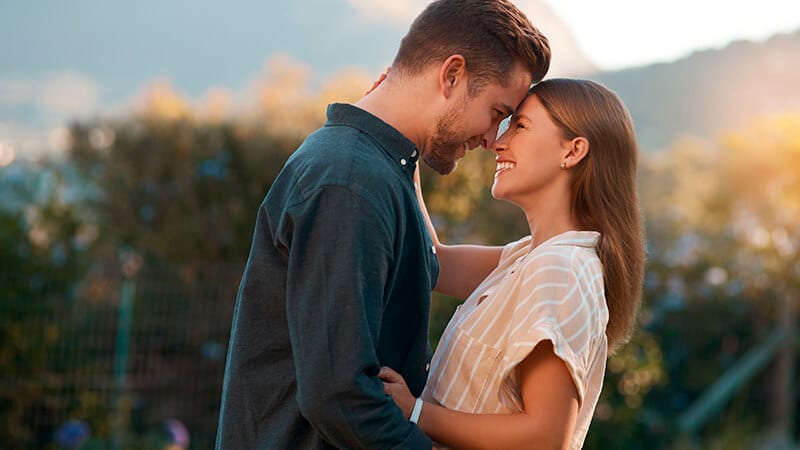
(549, 216)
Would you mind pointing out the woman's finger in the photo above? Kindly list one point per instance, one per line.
(389, 375)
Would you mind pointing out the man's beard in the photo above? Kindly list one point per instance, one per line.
(445, 143)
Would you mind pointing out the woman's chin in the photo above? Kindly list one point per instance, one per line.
(497, 192)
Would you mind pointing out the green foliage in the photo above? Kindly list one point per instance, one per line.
(41, 259)
(178, 191)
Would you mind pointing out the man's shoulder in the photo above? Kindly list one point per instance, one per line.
(340, 156)
(343, 148)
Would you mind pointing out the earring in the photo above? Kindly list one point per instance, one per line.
(563, 164)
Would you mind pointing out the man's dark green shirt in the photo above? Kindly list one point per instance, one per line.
(337, 284)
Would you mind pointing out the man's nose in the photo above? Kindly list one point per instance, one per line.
(488, 139)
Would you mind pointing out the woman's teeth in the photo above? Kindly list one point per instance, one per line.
(505, 165)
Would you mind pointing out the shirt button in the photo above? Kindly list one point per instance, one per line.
(414, 153)
(427, 367)
(433, 249)
(403, 161)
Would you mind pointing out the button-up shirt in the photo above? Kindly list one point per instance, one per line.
(337, 284)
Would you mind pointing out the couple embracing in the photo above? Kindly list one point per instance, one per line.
(329, 344)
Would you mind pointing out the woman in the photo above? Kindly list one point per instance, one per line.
(522, 361)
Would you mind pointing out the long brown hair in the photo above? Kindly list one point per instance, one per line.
(604, 196)
(491, 35)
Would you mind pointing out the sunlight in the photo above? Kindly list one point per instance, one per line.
(7, 154)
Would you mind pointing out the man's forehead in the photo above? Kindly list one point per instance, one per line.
(509, 97)
(517, 83)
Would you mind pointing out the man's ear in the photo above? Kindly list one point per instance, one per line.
(452, 73)
(575, 151)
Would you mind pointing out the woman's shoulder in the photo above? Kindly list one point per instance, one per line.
(515, 249)
(572, 251)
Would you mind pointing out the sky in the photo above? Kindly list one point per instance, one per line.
(617, 34)
(63, 61)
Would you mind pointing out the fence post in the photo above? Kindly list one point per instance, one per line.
(783, 396)
(131, 263)
(729, 383)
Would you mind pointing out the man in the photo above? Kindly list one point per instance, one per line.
(341, 268)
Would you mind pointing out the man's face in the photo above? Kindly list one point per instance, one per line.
(473, 121)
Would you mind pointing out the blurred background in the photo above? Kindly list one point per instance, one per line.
(137, 140)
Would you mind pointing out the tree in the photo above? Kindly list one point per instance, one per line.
(43, 249)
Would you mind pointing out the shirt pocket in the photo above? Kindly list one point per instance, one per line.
(466, 372)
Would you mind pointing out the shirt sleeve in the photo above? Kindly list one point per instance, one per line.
(552, 304)
(339, 257)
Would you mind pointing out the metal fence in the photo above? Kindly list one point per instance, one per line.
(124, 362)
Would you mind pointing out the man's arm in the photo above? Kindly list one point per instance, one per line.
(340, 254)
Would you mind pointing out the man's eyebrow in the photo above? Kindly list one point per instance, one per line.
(507, 110)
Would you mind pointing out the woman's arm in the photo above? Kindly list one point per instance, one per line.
(548, 421)
(461, 267)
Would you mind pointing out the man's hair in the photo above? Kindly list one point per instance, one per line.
(491, 35)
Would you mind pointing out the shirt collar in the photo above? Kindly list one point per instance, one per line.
(588, 239)
(399, 148)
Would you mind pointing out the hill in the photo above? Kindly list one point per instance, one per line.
(710, 91)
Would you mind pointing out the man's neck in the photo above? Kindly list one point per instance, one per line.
(401, 106)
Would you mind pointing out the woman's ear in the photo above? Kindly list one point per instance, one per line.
(576, 150)
(452, 73)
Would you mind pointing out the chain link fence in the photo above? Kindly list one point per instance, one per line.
(132, 358)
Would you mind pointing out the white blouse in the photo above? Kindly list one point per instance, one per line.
(553, 293)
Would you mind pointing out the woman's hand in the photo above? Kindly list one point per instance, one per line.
(379, 80)
(395, 385)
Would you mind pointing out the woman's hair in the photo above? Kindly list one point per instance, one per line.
(604, 196)
(491, 35)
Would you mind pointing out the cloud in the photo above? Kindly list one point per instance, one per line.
(34, 109)
(400, 12)
(61, 94)
(16, 92)
(69, 94)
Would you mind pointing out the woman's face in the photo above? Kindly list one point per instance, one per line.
(529, 154)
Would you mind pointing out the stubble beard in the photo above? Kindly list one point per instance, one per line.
(445, 143)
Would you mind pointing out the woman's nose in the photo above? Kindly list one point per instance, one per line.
(500, 144)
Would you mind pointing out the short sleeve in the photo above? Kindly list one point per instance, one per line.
(553, 303)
